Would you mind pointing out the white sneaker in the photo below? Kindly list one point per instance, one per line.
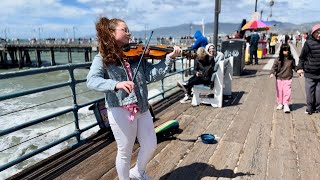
(286, 109)
(134, 174)
(186, 99)
(279, 107)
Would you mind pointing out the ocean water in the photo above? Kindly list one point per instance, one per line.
(26, 108)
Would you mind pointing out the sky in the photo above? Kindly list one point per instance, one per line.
(76, 18)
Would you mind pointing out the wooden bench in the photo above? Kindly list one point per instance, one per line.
(222, 78)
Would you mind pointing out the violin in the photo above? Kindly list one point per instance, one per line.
(133, 51)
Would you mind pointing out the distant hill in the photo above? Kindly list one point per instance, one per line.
(224, 28)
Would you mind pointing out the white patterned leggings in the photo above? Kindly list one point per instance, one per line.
(125, 133)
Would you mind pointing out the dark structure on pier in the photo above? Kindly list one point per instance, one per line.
(20, 53)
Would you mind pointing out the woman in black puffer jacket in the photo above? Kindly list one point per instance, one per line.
(309, 65)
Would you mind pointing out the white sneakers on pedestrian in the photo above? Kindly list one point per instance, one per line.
(186, 99)
(286, 109)
(135, 175)
(279, 107)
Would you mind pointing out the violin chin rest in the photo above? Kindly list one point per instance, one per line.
(126, 48)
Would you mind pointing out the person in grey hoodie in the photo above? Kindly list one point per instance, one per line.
(126, 97)
(309, 66)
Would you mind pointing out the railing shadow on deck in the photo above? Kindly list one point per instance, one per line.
(249, 73)
(233, 100)
(202, 170)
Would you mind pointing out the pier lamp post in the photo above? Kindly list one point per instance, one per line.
(271, 4)
(145, 33)
(74, 33)
(217, 10)
(5, 32)
(40, 29)
(255, 7)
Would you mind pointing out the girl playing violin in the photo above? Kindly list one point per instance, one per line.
(126, 98)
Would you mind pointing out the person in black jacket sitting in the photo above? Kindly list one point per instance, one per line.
(203, 68)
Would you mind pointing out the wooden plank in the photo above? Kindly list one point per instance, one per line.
(97, 169)
(194, 164)
(239, 129)
(307, 140)
(254, 156)
(231, 145)
(167, 160)
(282, 161)
(223, 161)
(196, 160)
(282, 164)
(64, 160)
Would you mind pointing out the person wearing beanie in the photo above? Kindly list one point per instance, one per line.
(309, 67)
(210, 49)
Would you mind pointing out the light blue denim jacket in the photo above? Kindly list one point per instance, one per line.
(104, 79)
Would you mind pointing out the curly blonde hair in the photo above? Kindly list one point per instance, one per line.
(108, 48)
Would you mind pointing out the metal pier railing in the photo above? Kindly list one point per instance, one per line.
(74, 107)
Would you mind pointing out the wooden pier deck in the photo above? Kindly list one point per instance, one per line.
(256, 140)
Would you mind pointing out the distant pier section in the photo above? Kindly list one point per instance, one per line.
(19, 54)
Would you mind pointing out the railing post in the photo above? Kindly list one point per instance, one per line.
(162, 87)
(38, 58)
(53, 61)
(86, 55)
(90, 54)
(75, 105)
(20, 60)
(69, 55)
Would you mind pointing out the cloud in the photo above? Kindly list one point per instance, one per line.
(54, 16)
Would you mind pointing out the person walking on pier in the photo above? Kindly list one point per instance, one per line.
(309, 66)
(254, 41)
(126, 98)
(282, 69)
(273, 43)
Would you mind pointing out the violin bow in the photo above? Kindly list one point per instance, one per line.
(144, 51)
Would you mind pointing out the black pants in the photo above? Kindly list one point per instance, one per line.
(195, 80)
(312, 87)
(253, 53)
(273, 49)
